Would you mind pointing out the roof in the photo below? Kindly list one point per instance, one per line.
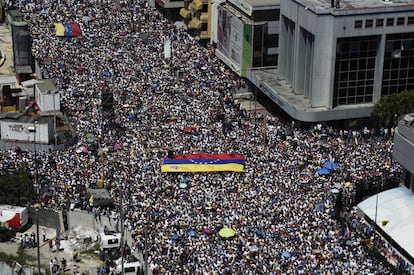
(46, 85)
(256, 3)
(20, 117)
(358, 3)
(99, 193)
(400, 226)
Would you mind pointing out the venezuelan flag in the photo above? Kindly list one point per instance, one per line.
(67, 29)
(203, 162)
(60, 29)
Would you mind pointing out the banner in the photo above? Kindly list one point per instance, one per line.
(67, 29)
(167, 49)
(203, 162)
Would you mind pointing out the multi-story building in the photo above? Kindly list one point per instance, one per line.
(392, 211)
(248, 34)
(403, 150)
(197, 17)
(337, 58)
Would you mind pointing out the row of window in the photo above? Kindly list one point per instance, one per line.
(355, 91)
(352, 100)
(389, 22)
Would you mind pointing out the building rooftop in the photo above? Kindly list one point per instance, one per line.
(325, 6)
(256, 3)
(406, 126)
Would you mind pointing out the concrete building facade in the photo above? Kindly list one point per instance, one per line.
(403, 150)
(337, 58)
(248, 34)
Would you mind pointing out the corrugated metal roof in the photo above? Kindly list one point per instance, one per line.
(397, 207)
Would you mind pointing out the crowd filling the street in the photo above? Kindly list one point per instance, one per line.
(285, 215)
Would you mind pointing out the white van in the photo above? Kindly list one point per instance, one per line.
(130, 268)
(109, 245)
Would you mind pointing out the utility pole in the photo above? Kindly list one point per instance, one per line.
(122, 232)
(55, 135)
(36, 185)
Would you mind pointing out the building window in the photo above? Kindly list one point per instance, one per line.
(398, 68)
(358, 24)
(400, 21)
(390, 22)
(266, 15)
(380, 22)
(410, 20)
(369, 23)
(354, 70)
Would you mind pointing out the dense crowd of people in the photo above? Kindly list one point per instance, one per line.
(283, 211)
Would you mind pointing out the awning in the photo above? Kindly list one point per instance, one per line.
(195, 23)
(394, 213)
(185, 13)
(197, 4)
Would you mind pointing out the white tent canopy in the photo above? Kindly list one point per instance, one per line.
(397, 207)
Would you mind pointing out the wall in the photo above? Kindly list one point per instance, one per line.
(51, 219)
(19, 131)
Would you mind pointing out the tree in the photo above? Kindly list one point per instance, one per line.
(390, 108)
(15, 187)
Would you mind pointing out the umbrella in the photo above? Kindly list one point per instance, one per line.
(335, 190)
(189, 129)
(175, 237)
(183, 185)
(324, 171)
(107, 73)
(192, 233)
(82, 149)
(285, 254)
(226, 232)
(347, 184)
(146, 167)
(207, 230)
(319, 207)
(117, 146)
(260, 232)
(331, 165)
(86, 19)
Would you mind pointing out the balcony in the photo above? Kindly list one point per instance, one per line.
(204, 35)
(195, 23)
(186, 14)
(197, 5)
(204, 17)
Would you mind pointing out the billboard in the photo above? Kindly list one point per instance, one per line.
(230, 37)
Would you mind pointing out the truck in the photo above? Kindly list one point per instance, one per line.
(110, 245)
(13, 217)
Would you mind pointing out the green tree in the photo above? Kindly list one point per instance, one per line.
(389, 108)
(15, 187)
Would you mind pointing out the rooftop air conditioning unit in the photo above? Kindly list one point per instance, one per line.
(409, 118)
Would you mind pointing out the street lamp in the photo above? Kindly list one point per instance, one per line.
(32, 129)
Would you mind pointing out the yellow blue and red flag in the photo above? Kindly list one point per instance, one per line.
(202, 162)
(67, 29)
